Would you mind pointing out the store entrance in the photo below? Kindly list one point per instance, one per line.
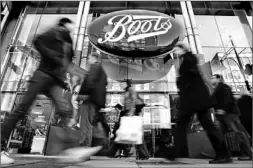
(30, 134)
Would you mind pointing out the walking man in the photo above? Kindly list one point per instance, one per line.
(93, 95)
(55, 48)
(195, 98)
(227, 112)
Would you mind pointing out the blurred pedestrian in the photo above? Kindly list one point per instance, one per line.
(245, 106)
(194, 98)
(133, 106)
(122, 149)
(93, 95)
(141, 150)
(227, 113)
(55, 48)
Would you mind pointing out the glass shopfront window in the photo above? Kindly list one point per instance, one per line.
(217, 26)
(21, 62)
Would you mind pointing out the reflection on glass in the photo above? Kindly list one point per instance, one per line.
(231, 26)
(208, 31)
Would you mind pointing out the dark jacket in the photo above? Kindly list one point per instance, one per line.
(55, 47)
(95, 84)
(194, 93)
(224, 99)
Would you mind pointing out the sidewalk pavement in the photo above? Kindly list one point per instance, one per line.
(33, 161)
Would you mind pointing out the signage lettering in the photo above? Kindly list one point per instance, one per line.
(149, 26)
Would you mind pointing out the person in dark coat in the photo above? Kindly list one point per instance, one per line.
(245, 106)
(93, 95)
(194, 98)
(55, 48)
(228, 113)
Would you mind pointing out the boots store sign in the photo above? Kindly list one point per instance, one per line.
(135, 33)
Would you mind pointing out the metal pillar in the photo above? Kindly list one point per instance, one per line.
(188, 27)
(81, 35)
(79, 17)
(194, 27)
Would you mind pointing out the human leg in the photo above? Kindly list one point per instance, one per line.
(184, 118)
(39, 83)
(215, 135)
(87, 113)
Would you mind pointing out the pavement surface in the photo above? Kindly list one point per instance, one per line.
(31, 161)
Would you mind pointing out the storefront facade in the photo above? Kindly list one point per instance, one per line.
(207, 27)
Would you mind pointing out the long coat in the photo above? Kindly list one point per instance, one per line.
(95, 84)
(194, 93)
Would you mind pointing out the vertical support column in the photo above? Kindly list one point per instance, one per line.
(79, 17)
(81, 35)
(188, 27)
(194, 27)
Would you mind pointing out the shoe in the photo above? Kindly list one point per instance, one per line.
(245, 158)
(6, 159)
(79, 154)
(221, 161)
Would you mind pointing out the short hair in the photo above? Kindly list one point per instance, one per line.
(218, 76)
(118, 106)
(64, 21)
(248, 66)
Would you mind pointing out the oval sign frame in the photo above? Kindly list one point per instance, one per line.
(166, 32)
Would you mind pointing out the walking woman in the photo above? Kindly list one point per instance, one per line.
(133, 105)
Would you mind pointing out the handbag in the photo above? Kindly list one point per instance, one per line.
(130, 130)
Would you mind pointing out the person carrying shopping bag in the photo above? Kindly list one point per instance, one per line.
(141, 150)
(131, 126)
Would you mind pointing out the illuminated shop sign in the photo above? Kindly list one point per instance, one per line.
(135, 33)
(136, 26)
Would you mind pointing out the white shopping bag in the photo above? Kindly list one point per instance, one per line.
(130, 130)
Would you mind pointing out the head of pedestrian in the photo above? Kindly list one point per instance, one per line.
(181, 48)
(66, 24)
(127, 84)
(118, 107)
(94, 57)
(216, 79)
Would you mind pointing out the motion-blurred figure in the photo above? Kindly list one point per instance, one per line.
(133, 106)
(123, 149)
(55, 48)
(141, 150)
(227, 113)
(93, 95)
(195, 98)
(245, 106)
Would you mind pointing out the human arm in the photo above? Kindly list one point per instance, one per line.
(188, 72)
(224, 99)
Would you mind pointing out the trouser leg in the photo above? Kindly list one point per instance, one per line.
(180, 136)
(214, 133)
(64, 111)
(39, 82)
(87, 113)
